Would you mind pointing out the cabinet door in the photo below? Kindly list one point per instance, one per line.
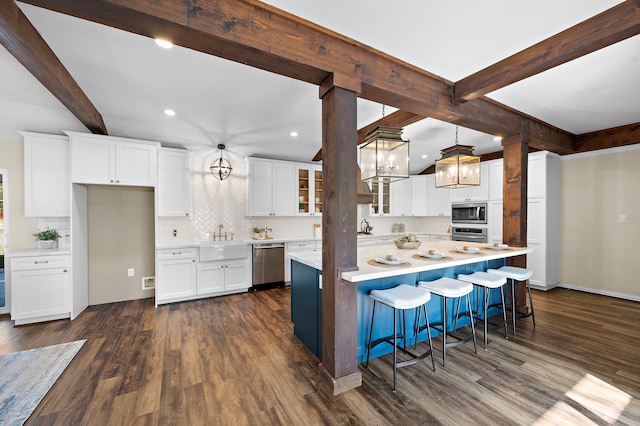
(481, 192)
(92, 161)
(284, 189)
(537, 175)
(236, 275)
(495, 221)
(136, 164)
(40, 293)
(419, 198)
(175, 279)
(174, 183)
(259, 188)
(496, 172)
(401, 198)
(210, 277)
(317, 191)
(381, 205)
(47, 183)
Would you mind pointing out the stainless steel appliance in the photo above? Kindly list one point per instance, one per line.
(268, 264)
(470, 213)
(472, 235)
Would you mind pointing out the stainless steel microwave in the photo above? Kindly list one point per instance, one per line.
(469, 213)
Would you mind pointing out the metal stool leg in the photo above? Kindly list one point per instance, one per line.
(504, 313)
(533, 315)
(444, 331)
(513, 304)
(395, 349)
(473, 329)
(373, 314)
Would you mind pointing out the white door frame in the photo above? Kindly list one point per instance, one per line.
(7, 285)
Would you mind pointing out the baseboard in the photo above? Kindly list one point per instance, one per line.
(601, 292)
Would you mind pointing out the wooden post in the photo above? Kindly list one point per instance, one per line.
(339, 229)
(514, 213)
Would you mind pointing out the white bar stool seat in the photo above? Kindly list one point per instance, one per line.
(514, 273)
(450, 288)
(401, 297)
(489, 282)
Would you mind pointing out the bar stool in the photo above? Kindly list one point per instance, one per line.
(401, 297)
(514, 273)
(489, 282)
(449, 288)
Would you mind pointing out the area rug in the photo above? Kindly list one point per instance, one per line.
(26, 377)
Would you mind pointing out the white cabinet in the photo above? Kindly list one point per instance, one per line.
(474, 193)
(309, 190)
(438, 199)
(174, 183)
(496, 173)
(381, 190)
(433, 237)
(401, 193)
(40, 288)
(104, 160)
(494, 221)
(222, 276)
(47, 185)
(419, 195)
(537, 175)
(175, 275)
(271, 188)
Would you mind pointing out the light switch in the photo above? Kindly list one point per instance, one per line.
(131, 272)
(622, 218)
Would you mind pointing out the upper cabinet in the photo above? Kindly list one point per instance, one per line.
(438, 199)
(174, 182)
(474, 193)
(381, 205)
(496, 171)
(309, 190)
(401, 203)
(271, 187)
(47, 184)
(106, 160)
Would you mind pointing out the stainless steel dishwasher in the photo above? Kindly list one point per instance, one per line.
(268, 264)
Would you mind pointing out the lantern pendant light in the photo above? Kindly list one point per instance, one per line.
(458, 167)
(384, 154)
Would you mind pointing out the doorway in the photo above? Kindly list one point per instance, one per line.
(4, 294)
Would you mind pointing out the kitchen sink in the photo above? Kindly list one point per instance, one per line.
(223, 250)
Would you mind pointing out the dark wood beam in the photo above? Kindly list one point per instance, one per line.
(396, 119)
(24, 42)
(265, 37)
(609, 27)
(609, 138)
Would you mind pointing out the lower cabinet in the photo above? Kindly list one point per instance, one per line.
(181, 276)
(40, 288)
(176, 275)
(306, 306)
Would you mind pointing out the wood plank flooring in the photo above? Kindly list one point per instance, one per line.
(234, 361)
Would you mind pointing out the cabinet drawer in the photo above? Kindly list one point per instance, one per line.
(39, 262)
(178, 253)
(301, 246)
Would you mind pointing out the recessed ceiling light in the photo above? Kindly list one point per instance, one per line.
(425, 156)
(497, 139)
(164, 43)
(293, 134)
(169, 112)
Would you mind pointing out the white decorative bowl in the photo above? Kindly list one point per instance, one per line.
(408, 245)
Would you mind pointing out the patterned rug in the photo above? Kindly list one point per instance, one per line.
(26, 377)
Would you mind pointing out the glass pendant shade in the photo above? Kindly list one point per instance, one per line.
(458, 168)
(385, 155)
(221, 168)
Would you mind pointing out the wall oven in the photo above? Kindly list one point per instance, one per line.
(472, 235)
(469, 213)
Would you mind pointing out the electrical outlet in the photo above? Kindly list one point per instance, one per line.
(622, 218)
(131, 272)
(175, 232)
(148, 283)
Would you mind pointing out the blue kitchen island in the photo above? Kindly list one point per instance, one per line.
(306, 287)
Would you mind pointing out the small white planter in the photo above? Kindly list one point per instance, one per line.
(47, 244)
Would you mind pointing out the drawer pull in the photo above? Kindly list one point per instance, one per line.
(176, 253)
(41, 261)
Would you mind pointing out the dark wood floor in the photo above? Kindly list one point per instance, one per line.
(234, 360)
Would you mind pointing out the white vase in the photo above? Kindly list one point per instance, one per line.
(47, 244)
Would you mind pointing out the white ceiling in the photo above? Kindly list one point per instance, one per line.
(131, 81)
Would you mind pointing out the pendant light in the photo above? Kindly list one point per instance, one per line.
(458, 167)
(384, 154)
(221, 168)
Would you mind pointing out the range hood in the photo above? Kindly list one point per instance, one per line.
(365, 196)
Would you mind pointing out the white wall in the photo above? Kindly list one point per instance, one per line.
(599, 253)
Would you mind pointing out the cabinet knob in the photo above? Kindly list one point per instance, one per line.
(186, 214)
(64, 270)
(117, 181)
(111, 181)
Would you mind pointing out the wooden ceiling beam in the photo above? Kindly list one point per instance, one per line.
(396, 119)
(24, 42)
(262, 36)
(609, 138)
(609, 27)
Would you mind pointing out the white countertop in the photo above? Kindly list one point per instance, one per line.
(39, 252)
(369, 272)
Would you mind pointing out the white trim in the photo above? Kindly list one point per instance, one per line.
(601, 292)
(598, 152)
(7, 270)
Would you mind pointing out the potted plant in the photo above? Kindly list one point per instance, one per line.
(47, 239)
(256, 233)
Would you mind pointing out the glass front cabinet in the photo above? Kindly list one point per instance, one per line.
(309, 190)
